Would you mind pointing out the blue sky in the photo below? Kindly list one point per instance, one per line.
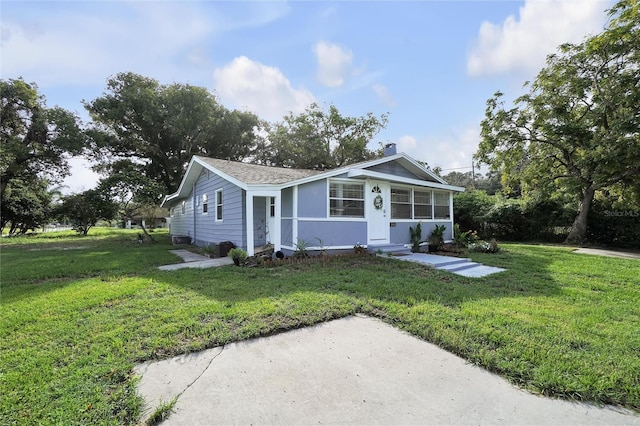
(430, 64)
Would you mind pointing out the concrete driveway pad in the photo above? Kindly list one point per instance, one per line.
(355, 370)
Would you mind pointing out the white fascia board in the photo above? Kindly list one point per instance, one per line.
(191, 175)
(183, 184)
(423, 168)
(223, 175)
(383, 176)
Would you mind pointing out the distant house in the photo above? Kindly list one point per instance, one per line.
(372, 203)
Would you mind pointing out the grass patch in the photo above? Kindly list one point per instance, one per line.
(75, 321)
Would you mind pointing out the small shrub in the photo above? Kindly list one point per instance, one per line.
(463, 239)
(416, 237)
(238, 255)
(301, 250)
(484, 247)
(437, 236)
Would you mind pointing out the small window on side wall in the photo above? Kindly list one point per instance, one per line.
(219, 204)
(205, 204)
(183, 207)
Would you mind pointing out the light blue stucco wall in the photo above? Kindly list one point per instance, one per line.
(400, 232)
(312, 199)
(332, 233)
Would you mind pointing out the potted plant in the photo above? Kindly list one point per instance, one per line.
(238, 255)
(436, 239)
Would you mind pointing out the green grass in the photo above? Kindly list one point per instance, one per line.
(75, 321)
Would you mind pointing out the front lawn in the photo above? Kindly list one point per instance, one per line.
(78, 313)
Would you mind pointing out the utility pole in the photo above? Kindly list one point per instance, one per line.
(473, 175)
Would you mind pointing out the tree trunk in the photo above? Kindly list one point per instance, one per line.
(146, 233)
(578, 233)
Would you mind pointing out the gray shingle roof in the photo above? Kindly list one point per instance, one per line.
(256, 174)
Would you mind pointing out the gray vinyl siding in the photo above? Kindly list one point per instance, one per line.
(231, 228)
(312, 199)
(182, 224)
(395, 169)
(338, 233)
(400, 232)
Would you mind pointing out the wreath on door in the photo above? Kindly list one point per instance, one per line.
(377, 202)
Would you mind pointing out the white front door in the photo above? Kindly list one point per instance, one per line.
(378, 211)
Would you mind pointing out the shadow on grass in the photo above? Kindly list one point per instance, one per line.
(371, 277)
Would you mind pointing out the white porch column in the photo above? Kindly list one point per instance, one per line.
(277, 231)
(249, 224)
(294, 224)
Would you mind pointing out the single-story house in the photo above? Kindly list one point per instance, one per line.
(372, 203)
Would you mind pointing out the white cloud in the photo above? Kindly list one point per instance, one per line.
(58, 44)
(334, 64)
(71, 47)
(523, 43)
(384, 95)
(261, 89)
(453, 150)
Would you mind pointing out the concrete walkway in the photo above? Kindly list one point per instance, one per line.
(193, 260)
(608, 253)
(355, 370)
(457, 265)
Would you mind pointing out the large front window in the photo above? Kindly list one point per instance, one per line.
(400, 203)
(422, 205)
(346, 199)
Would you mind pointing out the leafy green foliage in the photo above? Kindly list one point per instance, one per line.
(577, 130)
(34, 139)
(238, 254)
(437, 236)
(415, 235)
(320, 140)
(84, 210)
(152, 130)
(26, 205)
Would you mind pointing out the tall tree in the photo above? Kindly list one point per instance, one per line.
(34, 139)
(320, 140)
(578, 128)
(158, 128)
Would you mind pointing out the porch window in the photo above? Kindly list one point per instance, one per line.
(346, 199)
(441, 206)
(205, 204)
(219, 205)
(400, 203)
(422, 206)
(272, 206)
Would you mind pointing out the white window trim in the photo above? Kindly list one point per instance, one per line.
(348, 182)
(221, 205)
